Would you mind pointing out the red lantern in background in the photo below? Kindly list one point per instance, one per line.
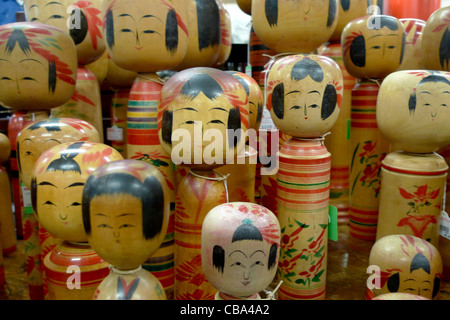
(416, 9)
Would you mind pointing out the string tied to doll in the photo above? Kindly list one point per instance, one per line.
(221, 178)
(271, 295)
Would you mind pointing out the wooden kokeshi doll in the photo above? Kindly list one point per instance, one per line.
(225, 36)
(303, 95)
(38, 68)
(294, 26)
(444, 237)
(338, 142)
(413, 57)
(125, 216)
(120, 81)
(200, 105)
(8, 238)
(204, 25)
(436, 40)
(82, 20)
(146, 48)
(240, 249)
(404, 263)
(412, 114)
(58, 179)
(372, 48)
(32, 141)
(242, 173)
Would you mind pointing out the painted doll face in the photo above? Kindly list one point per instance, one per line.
(38, 63)
(43, 135)
(204, 110)
(81, 19)
(413, 59)
(239, 258)
(407, 264)
(255, 98)
(294, 26)
(145, 38)
(59, 176)
(125, 212)
(413, 110)
(304, 95)
(373, 46)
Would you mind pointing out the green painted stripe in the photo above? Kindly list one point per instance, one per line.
(141, 103)
(159, 267)
(142, 126)
(363, 224)
(304, 185)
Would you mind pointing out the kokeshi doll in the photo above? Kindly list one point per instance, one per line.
(404, 263)
(338, 142)
(414, 179)
(242, 173)
(204, 26)
(240, 249)
(39, 69)
(120, 81)
(436, 40)
(372, 48)
(303, 95)
(294, 26)
(225, 36)
(59, 176)
(413, 57)
(125, 216)
(32, 141)
(8, 237)
(209, 109)
(444, 237)
(83, 21)
(146, 48)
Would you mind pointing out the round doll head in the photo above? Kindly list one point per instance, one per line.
(304, 94)
(126, 212)
(436, 40)
(203, 117)
(5, 148)
(413, 110)
(294, 26)
(240, 248)
(255, 98)
(81, 19)
(406, 264)
(147, 36)
(412, 59)
(348, 11)
(117, 77)
(203, 24)
(373, 46)
(38, 66)
(245, 6)
(42, 135)
(57, 183)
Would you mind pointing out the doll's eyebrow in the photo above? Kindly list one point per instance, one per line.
(125, 214)
(76, 184)
(295, 91)
(237, 251)
(427, 92)
(314, 91)
(217, 108)
(126, 15)
(188, 108)
(53, 2)
(46, 183)
(256, 252)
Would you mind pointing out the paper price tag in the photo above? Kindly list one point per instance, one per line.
(445, 225)
(114, 134)
(266, 121)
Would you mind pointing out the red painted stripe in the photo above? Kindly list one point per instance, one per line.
(364, 125)
(143, 139)
(92, 277)
(303, 191)
(303, 296)
(364, 116)
(419, 173)
(363, 211)
(188, 245)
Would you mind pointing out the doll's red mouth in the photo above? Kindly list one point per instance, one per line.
(139, 48)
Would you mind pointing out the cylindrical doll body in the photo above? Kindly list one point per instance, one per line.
(412, 195)
(304, 96)
(240, 249)
(303, 198)
(444, 238)
(404, 263)
(372, 48)
(198, 104)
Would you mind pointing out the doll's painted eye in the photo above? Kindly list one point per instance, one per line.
(314, 106)
(296, 107)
